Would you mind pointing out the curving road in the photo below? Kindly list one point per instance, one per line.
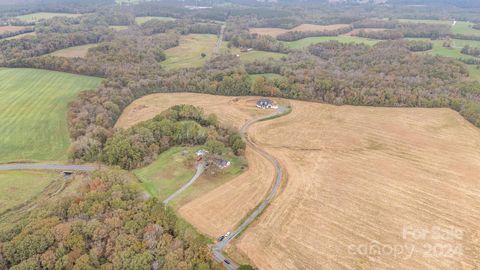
(200, 170)
(218, 248)
(40, 166)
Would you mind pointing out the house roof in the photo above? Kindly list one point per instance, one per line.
(264, 101)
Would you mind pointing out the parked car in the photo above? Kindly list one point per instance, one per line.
(220, 239)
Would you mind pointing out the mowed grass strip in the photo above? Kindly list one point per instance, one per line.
(189, 53)
(33, 115)
(17, 187)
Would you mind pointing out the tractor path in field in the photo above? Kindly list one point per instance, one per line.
(220, 246)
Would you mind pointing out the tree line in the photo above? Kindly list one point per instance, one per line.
(106, 225)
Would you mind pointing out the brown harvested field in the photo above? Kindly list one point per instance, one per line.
(274, 32)
(72, 52)
(221, 209)
(357, 176)
(6, 29)
(231, 111)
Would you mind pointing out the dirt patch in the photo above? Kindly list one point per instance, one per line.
(357, 177)
(274, 32)
(6, 29)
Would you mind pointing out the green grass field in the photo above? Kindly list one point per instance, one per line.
(33, 120)
(170, 172)
(17, 187)
(142, 20)
(35, 17)
(188, 53)
(302, 43)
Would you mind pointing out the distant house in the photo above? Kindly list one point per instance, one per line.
(265, 103)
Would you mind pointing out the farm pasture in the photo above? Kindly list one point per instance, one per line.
(33, 119)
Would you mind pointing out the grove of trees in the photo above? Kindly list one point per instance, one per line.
(106, 225)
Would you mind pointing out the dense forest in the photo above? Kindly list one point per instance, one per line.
(107, 225)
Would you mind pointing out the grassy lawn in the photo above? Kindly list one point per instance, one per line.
(188, 53)
(17, 187)
(170, 172)
(142, 20)
(302, 43)
(77, 51)
(33, 120)
(34, 17)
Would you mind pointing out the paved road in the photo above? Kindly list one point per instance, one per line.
(200, 170)
(40, 166)
(220, 246)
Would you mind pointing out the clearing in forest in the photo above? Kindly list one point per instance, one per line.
(72, 52)
(356, 176)
(274, 32)
(189, 52)
(33, 119)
